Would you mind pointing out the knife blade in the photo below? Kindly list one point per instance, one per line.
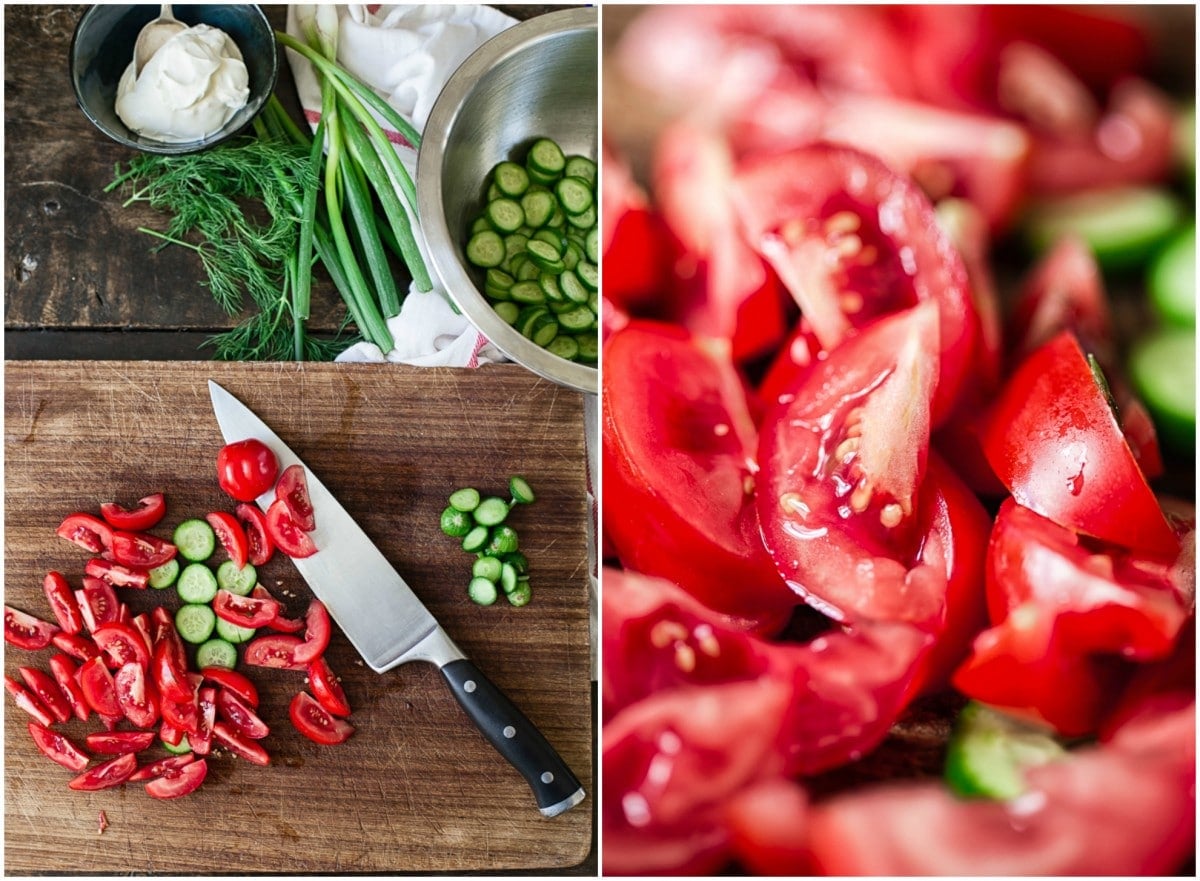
(389, 625)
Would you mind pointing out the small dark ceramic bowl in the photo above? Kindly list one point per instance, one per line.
(103, 47)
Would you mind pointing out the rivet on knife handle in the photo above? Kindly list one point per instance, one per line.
(515, 737)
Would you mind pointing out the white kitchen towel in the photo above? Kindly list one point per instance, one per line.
(407, 53)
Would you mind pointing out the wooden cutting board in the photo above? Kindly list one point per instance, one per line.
(416, 788)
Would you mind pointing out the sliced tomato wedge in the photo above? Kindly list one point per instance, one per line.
(161, 766)
(176, 782)
(327, 688)
(65, 672)
(99, 690)
(678, 470)
(244, 611)
(234, 682)
(48, 693)
(136, 695)
(106, 775)
(98, 603)
(117, 743)
(87, 531)
(146, 514)
(315, 723)
(170, 674)
(279, 622)
(116, 574)
(206, 704)
(122, 644)
(286, 534)
(25, 631)
(292, 488)
(260, 548)
(141, 550)
(26, 700)
(317, 628)
(62, 602)
(240, 715)
(276, 650)
(231, 535)
(853, 241)
(843, 464)
(78, 647)
(1054, 442)
(57, 747)
(240, 746)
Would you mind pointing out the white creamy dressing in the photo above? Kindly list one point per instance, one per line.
(188, 89)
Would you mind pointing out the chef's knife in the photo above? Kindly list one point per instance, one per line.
(388, 624)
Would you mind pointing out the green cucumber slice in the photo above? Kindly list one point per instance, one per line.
(1162, 367)
(989, 752)
(1172, 280)
(1122, 225)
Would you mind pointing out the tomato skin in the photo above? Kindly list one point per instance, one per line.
(170, 674)
(158, 768)
(246, 469)
(240, 715)
(260, 548)
(26, 700)
(1053, 441)
(234, 682)
(89, 532)
(136, 695)
(286, 534)
(141, 550)
(175, 782)
(58, 748)
(25, 631)
(327, 689)
(97, 603)
(244, 611)
(99, 690)
(319, 726)
(47, 692)
(62, 602)
(231, 535)
(65, 673)
(118, 743)
(240, 746)
(277, 650)
(114, 772)
(317, 627)
(292, 488)
(678, 439)
(146, 515)
(122, 643)
(116, 574)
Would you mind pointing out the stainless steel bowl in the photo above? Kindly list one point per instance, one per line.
(537, 78)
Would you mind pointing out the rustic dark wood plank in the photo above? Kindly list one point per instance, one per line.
(416, 789)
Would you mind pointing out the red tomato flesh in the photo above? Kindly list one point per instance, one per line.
(58, 748)
(177, 782)
(319, 726)
(43, 686)
(89, 532)
(327, 689)
(286, 534)
(293, 490)
(260, 548)
(62, 602)
(25, 631)
(317, 627)
(114, 772)
(148, 512)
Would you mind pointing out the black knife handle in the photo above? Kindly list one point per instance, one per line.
(514, 737)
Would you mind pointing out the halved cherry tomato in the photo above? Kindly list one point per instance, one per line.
(240, 715)
(148, 512)
(25, 631)
(678, 439)
(116, 574)
(293, 489)
(170, 674)
(274, 650)
(258, 540)
(206, 704)
(326, 688)
(117, 743)
(316, 633)
(25, 699)
(99, 690)
(141, 549)
(57, 747)
(231, 536)
(48, 693)
(114, 772)
(122, 643)
(62, 602)
(78, 647)
(319, 726)
(286, 534)
(279, 622)
(240, 746)
(66, 675)
(176, 782)
(158, 768)
(854, 241)
(842, 497)
(234, 682)
(244, 611)
(97, 602)
(246, 469)
(1053, 440)
(136, 695)
(89, 532)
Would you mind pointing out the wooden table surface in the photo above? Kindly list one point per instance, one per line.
(81, 283)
